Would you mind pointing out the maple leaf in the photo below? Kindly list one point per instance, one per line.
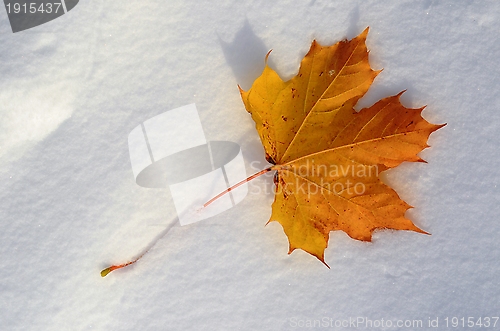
(327, 156)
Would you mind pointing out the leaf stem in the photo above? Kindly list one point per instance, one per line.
(238, 184)
(106, 271)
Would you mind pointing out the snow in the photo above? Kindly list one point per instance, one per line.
(73, 89)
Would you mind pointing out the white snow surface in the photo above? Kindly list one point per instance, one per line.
(72, 90)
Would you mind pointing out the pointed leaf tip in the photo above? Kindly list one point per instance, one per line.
(267, 55)
(364, 33)
(439, 126)
(325, 263)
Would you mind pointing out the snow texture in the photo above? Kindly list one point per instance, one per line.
(73, 89)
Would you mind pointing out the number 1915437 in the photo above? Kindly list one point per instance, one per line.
(471, 322)
(33, 8)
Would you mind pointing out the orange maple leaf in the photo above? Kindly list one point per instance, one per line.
(327, 156)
